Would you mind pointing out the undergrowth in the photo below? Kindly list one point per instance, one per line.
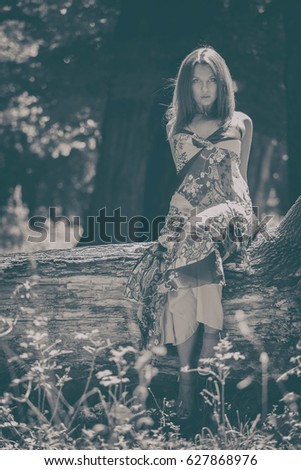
(112, 411)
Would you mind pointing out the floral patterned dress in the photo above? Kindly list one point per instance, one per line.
(209, 221)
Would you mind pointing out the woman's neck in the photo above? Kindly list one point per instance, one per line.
(204, 111)
(202, 118)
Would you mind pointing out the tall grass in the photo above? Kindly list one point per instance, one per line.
(112, 411)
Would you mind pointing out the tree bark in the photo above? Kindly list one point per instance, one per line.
(81, 289)
(291, 12)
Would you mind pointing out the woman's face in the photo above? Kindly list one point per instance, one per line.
(204, 86)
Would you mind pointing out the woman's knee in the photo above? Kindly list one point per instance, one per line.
(209, 329)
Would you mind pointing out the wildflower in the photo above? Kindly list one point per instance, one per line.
(24, 356)
(122, 351)
(290, 397)
(103, 373)
(81, 336)
(141, 393)
(100, 429)
(121, 412)
(159, 350)
(144, 422)
(143, 359)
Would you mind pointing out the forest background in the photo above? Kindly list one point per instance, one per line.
(84, 87)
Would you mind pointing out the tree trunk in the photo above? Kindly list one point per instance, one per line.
(291, 17)
(147, 48)
(81, 289)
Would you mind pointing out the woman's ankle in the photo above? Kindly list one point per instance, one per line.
(186, 401)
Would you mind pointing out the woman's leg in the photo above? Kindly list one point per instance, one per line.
(210, 339)
(186, 351)
(186, 394)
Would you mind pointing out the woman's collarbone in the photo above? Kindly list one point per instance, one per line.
(205, 128)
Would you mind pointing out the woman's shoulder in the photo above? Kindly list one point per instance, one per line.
(240, 116)
(168, 125)
(168, 128)
(243, 122)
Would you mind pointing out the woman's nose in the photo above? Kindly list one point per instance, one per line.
(204, 86)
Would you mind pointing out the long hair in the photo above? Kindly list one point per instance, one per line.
(183, 107)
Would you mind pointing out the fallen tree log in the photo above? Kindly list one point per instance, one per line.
(81, 289)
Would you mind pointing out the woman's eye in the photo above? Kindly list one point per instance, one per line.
(213, 79)
(194, 80)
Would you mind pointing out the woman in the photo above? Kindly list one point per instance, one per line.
(178, 280)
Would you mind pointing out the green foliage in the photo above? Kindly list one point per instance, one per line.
(53, 90)
(16, 234)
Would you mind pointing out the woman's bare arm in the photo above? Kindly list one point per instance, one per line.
(246, 142)
(168, 126)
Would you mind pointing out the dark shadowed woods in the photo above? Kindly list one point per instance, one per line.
(84, 89)
(135, 170)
